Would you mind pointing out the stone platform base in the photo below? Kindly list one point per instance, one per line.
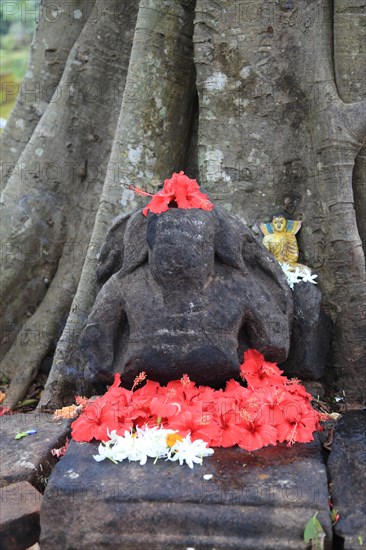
(347, 468)
(235, 500)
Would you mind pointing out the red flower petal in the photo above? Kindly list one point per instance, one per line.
(182, 190)
(158, 204)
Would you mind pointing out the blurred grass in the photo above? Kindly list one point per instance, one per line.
(16, 31)
(14, 62)
(13, 68)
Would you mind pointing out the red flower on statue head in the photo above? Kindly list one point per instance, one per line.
(178, 191)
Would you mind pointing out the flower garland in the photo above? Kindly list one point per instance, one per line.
(271, 409)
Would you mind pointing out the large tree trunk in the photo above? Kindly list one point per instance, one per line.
(59, 25)
(275, 135)
(281, 126)
(150, 142)
(48, 210)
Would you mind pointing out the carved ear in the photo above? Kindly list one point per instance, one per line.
(228, 239)
(236, 246)
(125, 247)
(135, 245)
(112, 251)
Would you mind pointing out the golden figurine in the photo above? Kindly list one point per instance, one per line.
(279, 239)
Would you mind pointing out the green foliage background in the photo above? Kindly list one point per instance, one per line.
(17, 24)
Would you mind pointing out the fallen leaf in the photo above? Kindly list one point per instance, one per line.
(66, 412)
(314, 533)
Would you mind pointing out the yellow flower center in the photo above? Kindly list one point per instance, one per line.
(171, 439)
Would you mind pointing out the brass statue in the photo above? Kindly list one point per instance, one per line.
(279, 239)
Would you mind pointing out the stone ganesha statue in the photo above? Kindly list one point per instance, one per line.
(185, 291)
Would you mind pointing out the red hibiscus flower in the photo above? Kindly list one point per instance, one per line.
(232, 429)
(299, 422)
(141, 401)
(162, 409)
(116, 393)
(236, 390)
(258, 372)
(183, 390)
(179, 191)
(199, 427)
(255, 435)
(98, 418)
(272, 399)
(293, 386)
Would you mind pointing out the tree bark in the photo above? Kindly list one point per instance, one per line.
(51, 211)
(275, 137)
(350, 74)
(150, 142)
(279, 125)
(59, 25)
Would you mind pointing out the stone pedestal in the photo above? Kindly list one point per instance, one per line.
(347, 467)
(30, 458)
(19, 516)
(235, 500)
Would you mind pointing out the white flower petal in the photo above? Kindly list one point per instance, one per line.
(98, 458)
(152, 442)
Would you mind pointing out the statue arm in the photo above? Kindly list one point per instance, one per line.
(267, 328)
(266, 242)
(291, 248)
(105, 327)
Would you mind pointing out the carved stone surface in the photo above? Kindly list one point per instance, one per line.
(185, 291)
(347, 467)
(19, 516)
(29, 458)
(310, 338)
(235, 500)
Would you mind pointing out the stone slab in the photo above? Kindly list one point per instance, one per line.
(29, 458)
(253, 500)
(19, 516)
(347, 467)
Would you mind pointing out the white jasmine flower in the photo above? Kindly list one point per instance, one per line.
(297, 275)
(309, 278)
(292, 275)
(191, 452)
(153, 442)
(104, 451)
